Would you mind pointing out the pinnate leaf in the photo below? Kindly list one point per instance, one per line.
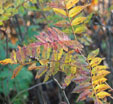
(62, 23)
(96, 61)
(98, 68)
(103, 94)
(60, 53)
(68, 80)
(84, 95)
(59, 11)
(44, 61)
(41, 72)
(101, 87)
(32, 66)
(80, 79)
(73, 69)
(6, 61)
(76, 10)
(16, 71)
(100, 75)
(99, 81)
(81, 87)
(78, 20)
(93, 54)
(80, 29)
(71, 3)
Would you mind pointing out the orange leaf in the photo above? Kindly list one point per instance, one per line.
(16, 71)
(32, 66)
(6, 61)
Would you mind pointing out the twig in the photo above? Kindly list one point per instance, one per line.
(63, 91)
(21, 92)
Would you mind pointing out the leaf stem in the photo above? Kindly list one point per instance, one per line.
(70, 21)
(92, 80)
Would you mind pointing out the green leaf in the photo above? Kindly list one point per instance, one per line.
(93, 54)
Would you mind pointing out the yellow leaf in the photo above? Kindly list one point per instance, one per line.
(44, 61)
(101, 87)
(44, 53)
(40, 73)
(93, 54)
(76, 10)
(14, 56)
(98, 68)
(68, 80)
(16, 71)
(102, 94)
(71, 3)
(80, 29)
(60, 53)
(104, 72)
(38, 51)
(99, 81)
(55, 55)
(57, 10)
(68, 58)
(78, 20)
(8, 4)
(95, 61)
(48, 52)
(46, 9)
(6, 61)
(1, 11)
(48, 74)
(73, 70)
(100, 75)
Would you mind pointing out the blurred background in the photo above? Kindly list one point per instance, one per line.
(29, 18)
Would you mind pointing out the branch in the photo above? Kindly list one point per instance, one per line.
(62, 89)
(21, 92)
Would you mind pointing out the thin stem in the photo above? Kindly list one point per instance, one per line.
(92, 81)
(90, 75)
(109, 86)
(21, 92)
(70, 20)
(63, 91)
